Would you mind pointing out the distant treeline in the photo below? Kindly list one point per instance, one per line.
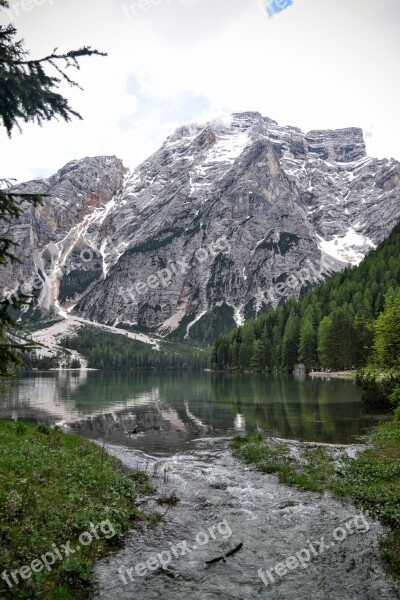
(351, 320)
(105, 350)
(33, 360)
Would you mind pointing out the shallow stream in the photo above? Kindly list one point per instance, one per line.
(271, 520)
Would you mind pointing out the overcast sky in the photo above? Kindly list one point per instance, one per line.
(314, 64)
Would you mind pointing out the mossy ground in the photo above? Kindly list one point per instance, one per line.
(53, 488)
(371, 480)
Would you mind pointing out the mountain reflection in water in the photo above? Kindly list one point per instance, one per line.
(161, 412)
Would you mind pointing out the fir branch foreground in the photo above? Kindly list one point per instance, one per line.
(27, 91)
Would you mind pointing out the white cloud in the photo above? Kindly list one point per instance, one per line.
(317, 65)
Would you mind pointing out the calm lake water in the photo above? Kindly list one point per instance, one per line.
(162, 412)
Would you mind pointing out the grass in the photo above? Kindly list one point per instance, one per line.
(371, 480)
(53, 488)
(312, 472)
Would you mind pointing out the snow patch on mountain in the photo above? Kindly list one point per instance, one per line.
(228, 147)
(350, 248)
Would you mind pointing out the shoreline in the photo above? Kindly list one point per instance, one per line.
(334, 374)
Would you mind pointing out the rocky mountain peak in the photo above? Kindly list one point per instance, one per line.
(258, 201)
(341, 145)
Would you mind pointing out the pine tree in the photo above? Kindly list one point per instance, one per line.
(387, 333)
(235, 355)
(290, 343)
(257, 357)
(267, 348)
(223, 355)
(335, 340)
(325, 349)
(245, 355)
(363, 329)
(308, 344)
(214, 355)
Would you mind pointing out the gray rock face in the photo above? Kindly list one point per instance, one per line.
(217, 224)
(51, 236)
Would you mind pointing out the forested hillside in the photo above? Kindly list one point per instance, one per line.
(334, 326)
(105, 350)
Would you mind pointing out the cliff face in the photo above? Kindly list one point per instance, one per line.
(54, 233)
(202, 233)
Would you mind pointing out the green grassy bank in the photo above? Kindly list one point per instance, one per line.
(371, 480)
(64, 503)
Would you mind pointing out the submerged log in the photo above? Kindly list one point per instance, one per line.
(215, 560)
(230, 553)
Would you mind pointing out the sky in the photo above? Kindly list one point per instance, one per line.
(313, 64)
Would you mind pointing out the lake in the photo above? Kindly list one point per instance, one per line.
(162, 412)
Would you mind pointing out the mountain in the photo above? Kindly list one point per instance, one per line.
(222, 221)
